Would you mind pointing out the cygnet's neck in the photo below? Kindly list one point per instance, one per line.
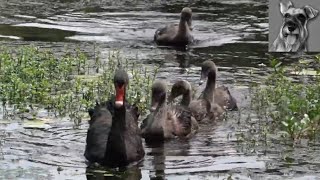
(162, 101)
(208, 92)
(186, 98)
(183, 26)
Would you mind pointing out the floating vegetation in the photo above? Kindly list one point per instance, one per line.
(292, 104)
(34, 79)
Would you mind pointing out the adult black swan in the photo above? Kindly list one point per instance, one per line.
(113, 137)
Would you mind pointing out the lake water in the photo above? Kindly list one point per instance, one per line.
(232, 33)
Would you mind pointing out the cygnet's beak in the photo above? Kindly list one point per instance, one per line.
(201, 82)
(153, 108)
(202, 78)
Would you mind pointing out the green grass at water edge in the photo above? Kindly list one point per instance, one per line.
(32, 78)
(293, 107)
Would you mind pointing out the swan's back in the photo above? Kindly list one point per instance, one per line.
(97, 134)
(200, 108)
(180, 119)
(223, 98)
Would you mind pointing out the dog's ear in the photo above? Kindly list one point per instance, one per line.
(311, 12)
(285, 6)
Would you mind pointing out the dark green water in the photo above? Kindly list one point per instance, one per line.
(233, 33)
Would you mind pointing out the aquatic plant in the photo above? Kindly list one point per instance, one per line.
(33, 79)
(291, 102)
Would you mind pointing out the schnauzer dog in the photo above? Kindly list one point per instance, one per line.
(293, 33)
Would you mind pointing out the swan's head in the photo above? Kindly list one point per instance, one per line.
(186, 14)
(121, 80)
(158, 94)
(181, 87)
(208, 70)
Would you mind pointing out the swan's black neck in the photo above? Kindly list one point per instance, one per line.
(116, 153)
(119, 119)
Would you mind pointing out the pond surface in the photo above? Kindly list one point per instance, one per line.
(233, 33)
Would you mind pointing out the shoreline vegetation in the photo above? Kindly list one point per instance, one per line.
(288, 104)
(33, 79)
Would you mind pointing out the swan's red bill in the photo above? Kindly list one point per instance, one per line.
(119, 95)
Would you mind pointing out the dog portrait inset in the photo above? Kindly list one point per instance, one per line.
(293, 35)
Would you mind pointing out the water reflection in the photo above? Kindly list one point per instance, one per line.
(183, 60)
(130, 173)
(169, 155)
(158, 161)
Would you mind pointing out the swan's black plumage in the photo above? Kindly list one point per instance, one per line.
(113, 137)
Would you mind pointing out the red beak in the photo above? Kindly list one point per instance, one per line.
(119, 96)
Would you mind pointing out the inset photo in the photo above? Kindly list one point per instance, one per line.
(294, 26)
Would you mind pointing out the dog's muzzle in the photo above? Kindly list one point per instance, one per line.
(291, 26)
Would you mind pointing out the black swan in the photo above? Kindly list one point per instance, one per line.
(113, 137)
